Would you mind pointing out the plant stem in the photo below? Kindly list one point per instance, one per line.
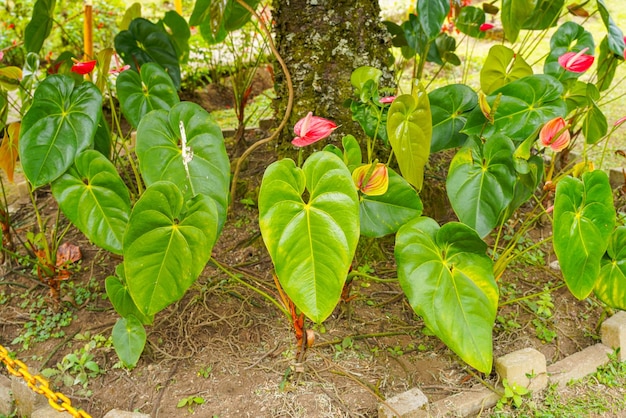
(248, 285)
(534, 295)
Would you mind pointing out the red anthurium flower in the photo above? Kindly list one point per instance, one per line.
(625, 48)
(1, 55)
(576, 62)
(485, 27)
(555, 134)
(378, 180)
(83, 68)
(311, 129)
(388, 99)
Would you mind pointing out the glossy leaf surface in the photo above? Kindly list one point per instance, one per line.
(204, 169)
(129, 339)
(525, 104)
(60, 124)
(480, 182)
(121, 300)
(140, 93)
(448, 279)
(569, 37)
(167, 244)
(449, 106)
(93, 196)
(385, 214)
(501, 67)
(311, 242)
(409, 128)
(40, 25)
(584, 217)
(611, 286)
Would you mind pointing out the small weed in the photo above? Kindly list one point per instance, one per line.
(542, 330)
(205, 371)
(190, 402)
(508, 322)
(346, 344)
(395, 351)
(513, 394)
(44, 324)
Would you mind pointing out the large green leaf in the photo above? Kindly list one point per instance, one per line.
(409, 128)
(480, 182)
(607, 64)
(584, 217)
(449, 282)
(179, 33)
(39, 26)
(501, 67)
(61, 123)
(614, 33)
(93, 196)
(145, 42)
(383, 215)
(449, 106)
(514, 14)
(129, 339)
(545, 14)
(611, 286)
(525, 104)
(569, 37)
(139, 93)
(469, 21)
(166, 245)
(218, 17)
(120, 298)
(311, 242)
(595, 125)
(431, 15)
(203, 169)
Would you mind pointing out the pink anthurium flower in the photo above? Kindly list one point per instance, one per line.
(311, 129)
(83, 68)
(576, 62)
(388, 99)
(485, 27)
(378, 180)
(555, 134)
(620, 121)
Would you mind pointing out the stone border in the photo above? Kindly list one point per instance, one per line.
(515, 367)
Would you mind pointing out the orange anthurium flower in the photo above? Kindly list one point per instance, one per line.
(83, 68)
(378, 180)
(576, 62)
(311, 129)
(555, 134)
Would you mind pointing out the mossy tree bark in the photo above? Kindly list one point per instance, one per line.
(322, 42)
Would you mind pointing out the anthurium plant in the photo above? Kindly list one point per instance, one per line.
(165, 214)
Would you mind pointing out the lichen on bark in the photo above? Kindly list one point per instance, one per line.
(322, 42)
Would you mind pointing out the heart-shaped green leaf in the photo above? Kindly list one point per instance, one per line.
(584, 217)
(448, 279)
(611, 286)
(93, 196)
(140, 93)
(385, 214)
(501, 67)
(59, 125)
(480, 182)
(409, 128)
(514, 14)
(449, 106)
(167, 243)
(129, 339)
(312, 242)
(362, 75)
(145, 42)
(201, 166)
(607, 64)
(525, 104)
(614, 33)
(469, 21)
(40, 25)
(431, 15)
(568, 37)
(179, 32)
(121, 300)
(595, 125)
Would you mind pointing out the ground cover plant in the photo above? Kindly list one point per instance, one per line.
(155, 203)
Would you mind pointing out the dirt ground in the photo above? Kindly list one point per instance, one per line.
(229, 346)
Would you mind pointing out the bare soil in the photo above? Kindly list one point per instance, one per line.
(227, 344)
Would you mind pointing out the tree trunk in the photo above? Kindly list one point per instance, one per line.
(322, 42)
